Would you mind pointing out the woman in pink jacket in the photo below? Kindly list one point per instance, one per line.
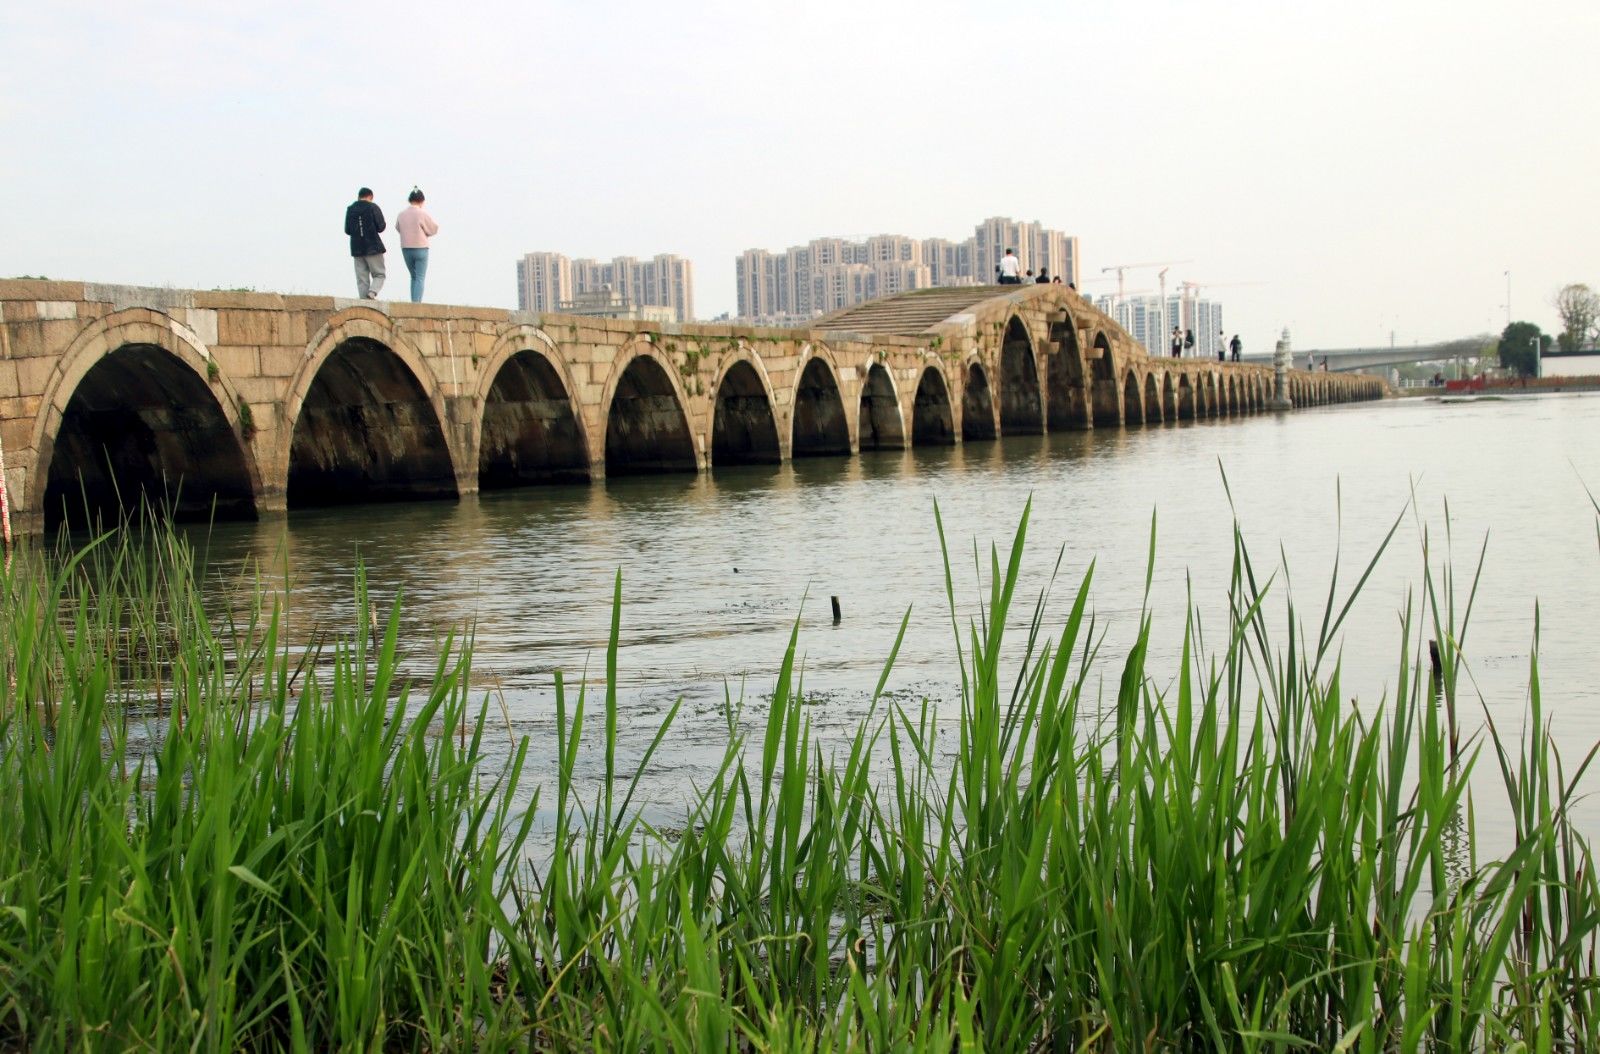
(416, 227)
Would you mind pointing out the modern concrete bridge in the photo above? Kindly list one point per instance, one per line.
(1359, 360)
(251, 403)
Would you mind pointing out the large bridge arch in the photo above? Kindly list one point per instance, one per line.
(818, 424)
(1065, 377)
(1021, 400)
(744, 422)
(879, 424)
(1105, 389)
(530, 427)
(136, 408)
(364, 419)
(645, 415)
(977, 403)
(932, 412)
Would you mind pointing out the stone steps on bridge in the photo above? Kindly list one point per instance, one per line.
(909, 314)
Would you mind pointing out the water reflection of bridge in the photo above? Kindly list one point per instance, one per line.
(247, 403)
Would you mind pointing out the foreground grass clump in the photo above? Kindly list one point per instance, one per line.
(310, 856)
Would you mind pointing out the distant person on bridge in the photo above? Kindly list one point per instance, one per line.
(363, 220)
(1236, 346)
(1010, 269)
(416, 227)
(1044, 276)
(1177, 343)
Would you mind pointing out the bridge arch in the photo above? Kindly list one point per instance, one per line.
(977, 404)
(1133, 411)
(1152, 400)
(530, 429)
(932, 415)
(1064, 377)
(136, 408)
(1107, 412)
(744, 427)
(646, 417)
(1021, 403)
(1186, 398)
(819, 426)
(879, 425)
(365, 419)
(1169, 397)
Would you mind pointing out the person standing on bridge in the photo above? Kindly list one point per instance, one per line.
(363, 220)
(1177, 343)
(1236, 346)
(1010, 269)
(416, 227)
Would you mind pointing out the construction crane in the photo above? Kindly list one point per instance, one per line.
(1191, 290)
(1122, 269)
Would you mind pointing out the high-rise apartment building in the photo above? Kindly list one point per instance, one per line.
(827, 274)
(545, 280)
(1150, 322)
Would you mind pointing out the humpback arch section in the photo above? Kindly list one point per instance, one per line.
(932, 419)
(1021, 412)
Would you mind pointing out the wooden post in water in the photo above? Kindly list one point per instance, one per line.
(836, 614)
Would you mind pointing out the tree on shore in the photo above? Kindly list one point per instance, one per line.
(1518, 346)
(1579, 307)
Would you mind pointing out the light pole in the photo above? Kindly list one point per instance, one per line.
(1538, 354)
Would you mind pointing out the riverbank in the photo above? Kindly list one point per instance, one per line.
(225, 838)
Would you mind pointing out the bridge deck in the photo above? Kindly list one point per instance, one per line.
(909, 314)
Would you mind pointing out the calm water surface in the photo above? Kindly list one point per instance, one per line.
(717, 568)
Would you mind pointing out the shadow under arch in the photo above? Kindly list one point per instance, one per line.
(820, 428)
(647, 430)
(529, 432)
(1169, 398)
(1153, 410)
(366, 431)
(1064, 374)
(1021, 405)
(1186, 398)
(1105, 388)
(142, 428)
(1132, 401)
(743, 429)
(878, 424)
(932, 416)
(977, 406)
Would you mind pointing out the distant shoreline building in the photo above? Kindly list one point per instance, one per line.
(1150, 322)
(548, 281)
(828, 274)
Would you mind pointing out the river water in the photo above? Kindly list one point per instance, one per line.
(715, 567)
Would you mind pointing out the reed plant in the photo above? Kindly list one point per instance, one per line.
(300, 850)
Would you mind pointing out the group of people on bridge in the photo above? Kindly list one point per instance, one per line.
(1183, 339)
(363, 222)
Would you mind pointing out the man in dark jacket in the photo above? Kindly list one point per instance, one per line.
(362, 221)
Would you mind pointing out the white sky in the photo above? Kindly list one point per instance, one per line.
(1376, 166)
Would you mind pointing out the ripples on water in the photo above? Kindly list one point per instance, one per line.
(715, 566)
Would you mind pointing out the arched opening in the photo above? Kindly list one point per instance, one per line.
(932, 421)
(819, 421)
(1069, 404)
(743, 431)
(143, 428)
(1106, 412)
(977, 406)
(878, 424)
(1152, 400)
(646, 430)
(1132, 405)
(530, 434)
(367, 432)
(1021, 409)
(1186, 407)
(1169, 398)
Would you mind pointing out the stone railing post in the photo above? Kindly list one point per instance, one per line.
(1280, 369)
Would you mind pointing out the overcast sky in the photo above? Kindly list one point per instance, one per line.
(1368, 166)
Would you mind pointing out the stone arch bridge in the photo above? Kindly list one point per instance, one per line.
(241, 404)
